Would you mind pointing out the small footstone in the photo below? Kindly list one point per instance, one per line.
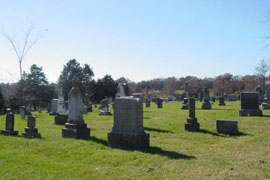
(60, 119)
(229, 127)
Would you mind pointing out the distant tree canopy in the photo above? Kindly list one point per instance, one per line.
(73, 70)
(36, 88)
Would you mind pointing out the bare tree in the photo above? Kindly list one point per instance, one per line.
(261, 68)
(29, 39)
(28, 42)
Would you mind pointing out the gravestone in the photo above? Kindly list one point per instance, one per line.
(48, 108)
(122, 90)
(128, 131)
(61, 114)
(159, 103)
(192, 124)
(9, 131)
(206, 103)
(147, 103)
(185, 103)
(54, 103)
(250, 104)
(260, 92)
(266, 101)
(104, 106)
(186, 90)
(85, 109)
(221, 98)
(31, 131)
(28, 109)
(229, 127)
(75, 126)
(22, 112)
(231, 97)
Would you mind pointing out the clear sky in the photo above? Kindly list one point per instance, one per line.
(138, 39)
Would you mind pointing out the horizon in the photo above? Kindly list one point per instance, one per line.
(138, 40)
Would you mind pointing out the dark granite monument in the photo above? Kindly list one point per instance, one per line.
(192, 124)
(9, 131)
(75, 126)
(159, 103)
(128, 131)
(229, 127)
(250, 104)
(185, 103)
(30, 131)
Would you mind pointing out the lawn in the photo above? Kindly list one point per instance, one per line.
(173, 153)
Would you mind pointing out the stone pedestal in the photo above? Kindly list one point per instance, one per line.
(75, 130)
(128, 131)
(9, 131)
(185, 103)
(250, 104)
(75, 126)
(60, 119)
(250, 112)
(30, 131)
(192, 124)
(221, 101)
(227, 127)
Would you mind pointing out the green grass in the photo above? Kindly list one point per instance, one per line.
(174, 153)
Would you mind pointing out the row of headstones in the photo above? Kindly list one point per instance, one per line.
(29, 132)
(229, 127)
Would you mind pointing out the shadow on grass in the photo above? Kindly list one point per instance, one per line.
(265, 115)
(157, 130)
(97, 140)
(150, 150)
(223, 135)
(146, 118)
(169, 154)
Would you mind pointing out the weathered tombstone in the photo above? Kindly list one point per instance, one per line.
(231, 97)
(31, 131)
(159, 103)
(28, 109)
(104, 106)
(61, 114)
(186, 90)
(192, 124)
(206, 103)
(9, 125)
(250, 104)
(229, 127)
(266, 101)
(75, 126)
(22, 112)
(221, 98)
(122, 90)
(54, 103)
(85, 109)
(128, 131)
(185, 103)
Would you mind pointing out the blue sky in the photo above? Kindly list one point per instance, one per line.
(139, 40)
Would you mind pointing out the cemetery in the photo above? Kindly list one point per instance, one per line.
(135, 90)
(169, 150)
